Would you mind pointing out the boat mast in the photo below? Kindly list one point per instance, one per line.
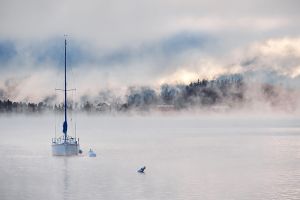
(65, 125)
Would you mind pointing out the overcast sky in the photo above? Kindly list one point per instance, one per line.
(115, 44)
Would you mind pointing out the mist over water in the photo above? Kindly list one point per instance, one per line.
(187, 157)
(205, 94)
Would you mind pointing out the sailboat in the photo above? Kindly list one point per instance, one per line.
(65, 145)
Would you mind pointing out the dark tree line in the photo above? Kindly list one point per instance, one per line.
(225, 90)
(200, 94)
(8, 106)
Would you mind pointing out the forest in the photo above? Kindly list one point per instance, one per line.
(225, 92)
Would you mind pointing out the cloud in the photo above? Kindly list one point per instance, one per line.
(80, 53)
(7, 51)
(203, 68)
(281, 55)
(114, 23)
(179, 59)
(217, 24)
(275, 60)
(116, 44)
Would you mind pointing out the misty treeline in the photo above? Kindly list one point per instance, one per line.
(201, 94)
(225, 92)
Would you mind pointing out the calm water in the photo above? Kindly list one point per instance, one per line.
(186, 158)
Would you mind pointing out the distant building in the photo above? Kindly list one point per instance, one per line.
(103, 107)
(165, 107)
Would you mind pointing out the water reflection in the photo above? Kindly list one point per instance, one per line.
(66, 178)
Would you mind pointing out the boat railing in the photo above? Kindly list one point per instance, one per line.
(68, 140)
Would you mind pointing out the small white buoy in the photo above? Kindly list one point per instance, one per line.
(91, 153)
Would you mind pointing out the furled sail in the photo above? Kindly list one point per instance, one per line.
(65, 127)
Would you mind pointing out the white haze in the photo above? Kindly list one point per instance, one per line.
(135, 43)
(275, 61)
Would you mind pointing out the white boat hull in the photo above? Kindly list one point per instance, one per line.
(92, 154)
(65, 149)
